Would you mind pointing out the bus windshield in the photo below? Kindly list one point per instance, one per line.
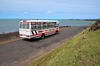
(24, 25)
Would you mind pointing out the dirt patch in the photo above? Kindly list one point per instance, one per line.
(7, 37)
(62, 27)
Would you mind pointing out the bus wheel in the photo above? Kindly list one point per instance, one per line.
(42, 36)
(57, 32)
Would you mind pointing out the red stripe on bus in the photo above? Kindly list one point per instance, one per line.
(46, 30)
(35, 34)
(40, 31)
(29, 35)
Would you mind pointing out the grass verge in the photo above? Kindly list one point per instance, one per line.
(82, 50)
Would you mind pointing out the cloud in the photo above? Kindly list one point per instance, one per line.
(50, 12)
(50, 7)
(25, 12)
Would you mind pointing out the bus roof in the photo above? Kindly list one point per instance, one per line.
(39, 21)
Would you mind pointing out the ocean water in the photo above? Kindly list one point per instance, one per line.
(74, 23)
(11, 25)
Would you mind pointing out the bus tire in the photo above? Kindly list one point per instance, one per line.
(42, 36)
(57, 32)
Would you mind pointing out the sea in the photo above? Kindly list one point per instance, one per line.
(12, 25)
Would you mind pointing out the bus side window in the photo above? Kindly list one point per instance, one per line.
(33, 26)
(57, 24)
(27, 25)
(41, 25)
(44, 25)
(54, 24)
(47, 25)
(50, 24)
(38, 25)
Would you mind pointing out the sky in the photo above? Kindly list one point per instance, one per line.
(50, 9)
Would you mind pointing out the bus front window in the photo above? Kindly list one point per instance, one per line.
(21, 25)
(24, 25)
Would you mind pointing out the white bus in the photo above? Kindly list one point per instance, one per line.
(38, 28)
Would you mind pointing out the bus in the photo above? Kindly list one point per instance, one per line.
(38, 28)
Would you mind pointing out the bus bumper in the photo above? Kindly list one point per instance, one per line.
(28, 37)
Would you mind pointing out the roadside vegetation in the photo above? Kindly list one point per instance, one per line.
(84, 19)
(79, 19)
(82, 50)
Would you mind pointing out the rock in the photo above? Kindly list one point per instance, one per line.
(95, 26)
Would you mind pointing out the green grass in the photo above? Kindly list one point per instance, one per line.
(82, 50)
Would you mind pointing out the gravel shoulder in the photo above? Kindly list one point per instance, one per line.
(21, 52)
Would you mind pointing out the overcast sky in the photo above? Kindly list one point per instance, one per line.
(50, 9)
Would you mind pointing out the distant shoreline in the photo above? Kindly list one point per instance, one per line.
(51, 19)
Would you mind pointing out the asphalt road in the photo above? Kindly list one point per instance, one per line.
(21, 52)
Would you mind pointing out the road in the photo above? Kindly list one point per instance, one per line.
(21, 52)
